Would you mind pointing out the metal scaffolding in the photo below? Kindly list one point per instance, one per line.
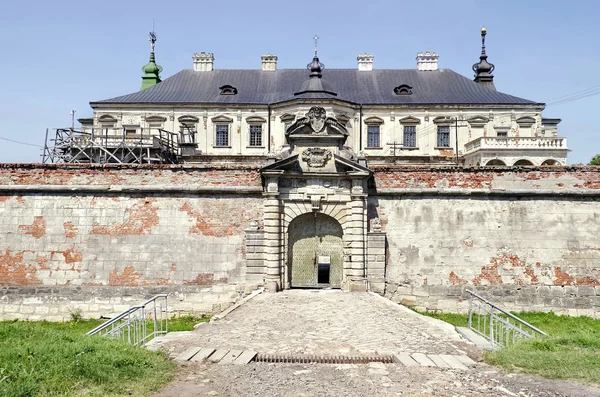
(115, 145)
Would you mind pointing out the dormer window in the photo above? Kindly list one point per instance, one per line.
(228, 90)
(403, 89)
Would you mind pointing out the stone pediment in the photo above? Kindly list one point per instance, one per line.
(316, 160)
(316, 123)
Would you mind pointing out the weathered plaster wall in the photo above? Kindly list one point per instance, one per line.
(529, 240)
(104, 250)
(101, 238)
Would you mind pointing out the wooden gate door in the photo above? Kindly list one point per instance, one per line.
(315, 251)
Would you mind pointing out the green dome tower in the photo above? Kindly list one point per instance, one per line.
(151, 71)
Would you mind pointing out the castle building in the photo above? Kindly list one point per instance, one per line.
(318, 142)
(406, 116)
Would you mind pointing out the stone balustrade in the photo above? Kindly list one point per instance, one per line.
(518, 143)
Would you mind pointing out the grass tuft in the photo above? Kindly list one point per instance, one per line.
(570, 351)
(57, 359)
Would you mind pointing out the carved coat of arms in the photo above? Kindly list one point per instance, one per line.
(316, 157)
(317, 116)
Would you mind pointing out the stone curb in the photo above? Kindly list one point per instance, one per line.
(232, 308)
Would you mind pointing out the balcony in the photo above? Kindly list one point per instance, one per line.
(516, 143)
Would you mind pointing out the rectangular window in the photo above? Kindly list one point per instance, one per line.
(222, 138)
(443, 136)
(410, 136)
(373, 136)
(130, 135)
(187, 132)
(502, 134)
(255, 135)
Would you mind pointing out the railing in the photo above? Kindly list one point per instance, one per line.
(114, 145)
(138, 324)
(498, 326)
(495, 142)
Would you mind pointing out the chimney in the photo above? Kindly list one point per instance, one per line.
(365, 62)
(269, 62)
(203, 62)
(427, 61)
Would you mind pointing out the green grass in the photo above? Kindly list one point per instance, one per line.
(570, 351)
(57, 359)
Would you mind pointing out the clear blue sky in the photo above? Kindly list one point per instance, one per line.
(60, 55)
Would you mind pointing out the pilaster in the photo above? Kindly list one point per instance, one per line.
(272, 234)
(376, 261)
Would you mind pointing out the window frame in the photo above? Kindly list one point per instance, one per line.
(405, 135)
(373, 133)
(440, 144)
(228, 136)
(373, 122)
(260, 143)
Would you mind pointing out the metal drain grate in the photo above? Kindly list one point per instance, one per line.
(314, 359)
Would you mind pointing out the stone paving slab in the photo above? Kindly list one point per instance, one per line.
(231, 356)
(325, 322)
(188, 353)
(218, 355)
(423, 360)
(202, 355)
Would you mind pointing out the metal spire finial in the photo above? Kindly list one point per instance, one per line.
(316, 38)
(152, 40)
(483, 33)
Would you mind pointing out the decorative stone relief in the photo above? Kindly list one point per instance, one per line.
(316, 157)
(376, 225)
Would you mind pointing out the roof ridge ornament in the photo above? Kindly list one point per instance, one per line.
(151, 70)
(316, 67)
(483, 69)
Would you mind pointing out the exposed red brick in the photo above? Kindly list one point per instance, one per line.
(37, 229)
(205, 279)
(140, 219)
(562, 278)
(533, 278)
(129, 278)
(14, 272)
(587, 280)
(70, 230)
(455, 280)
(72, 256)
(489, 274)
(4, 198)
(219, 218)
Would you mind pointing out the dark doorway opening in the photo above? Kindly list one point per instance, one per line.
(323, 277)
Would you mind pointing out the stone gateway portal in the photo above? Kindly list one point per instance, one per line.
(315, 251)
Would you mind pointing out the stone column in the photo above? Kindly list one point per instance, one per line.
(355, 240)
(376, 260)
(255, 262)
(272, 235)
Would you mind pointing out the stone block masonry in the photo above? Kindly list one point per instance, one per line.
(528, 240)
(99, 239)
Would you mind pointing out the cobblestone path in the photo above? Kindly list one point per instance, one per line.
(325, 322)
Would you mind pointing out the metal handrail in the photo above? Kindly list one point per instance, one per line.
(507, 313)
(131, 324)
(491, 324)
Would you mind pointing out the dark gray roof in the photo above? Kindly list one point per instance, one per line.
(443, 86)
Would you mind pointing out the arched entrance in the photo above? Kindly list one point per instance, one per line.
(315, 251)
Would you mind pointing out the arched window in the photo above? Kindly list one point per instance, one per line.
(523, 162)
(228, 90)
(495, 162)
(550, 162)
(403, 89)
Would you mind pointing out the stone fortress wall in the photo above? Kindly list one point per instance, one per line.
(101, 238)
(527, 239)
